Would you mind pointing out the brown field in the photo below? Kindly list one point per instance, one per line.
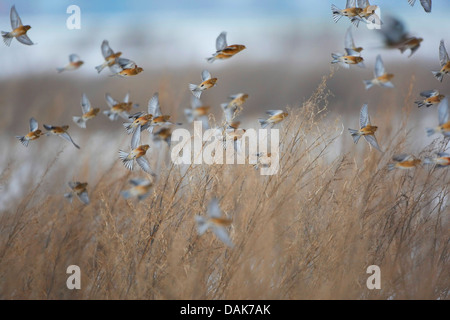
(308, 232)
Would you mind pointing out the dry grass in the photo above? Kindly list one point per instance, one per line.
(308, 232)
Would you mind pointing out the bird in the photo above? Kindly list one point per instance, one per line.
(88, 112)
(61, 132)
(198, 112)
(351, 57)
(368, 13)
(382, 78)
(125, 68)
(117, 109)
(74, 63)
(109, 56)
(426, 4)
(19, 31)
(214, 222)
(163, 134)
(137, 153)
(263, 160)
(144, 119)
(433, 97)
(276, 116)
(234, 106)
(34, 133)
(158, 118)
(140, 190)
(445, 62)
(351, 11)
(80, 190)
(223, 50)
(444, 123)
(396, 36)
(366, 130)
(441, 160)
(404, 161)
(349, 42)
(207, 82)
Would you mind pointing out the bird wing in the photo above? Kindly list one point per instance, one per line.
(85, 104)
(153, 106)
(222, 234)
(372, 141)
(443, 55)
(136, 138)
(349, 43)
(443, 111)
(15, 19)
(143, 163)
(379, 67)
(364, 116)
(206, 75)
(214, 209)
(74, 58)
(33, 125)
(106, 49)
(221, 41)
(25, 40)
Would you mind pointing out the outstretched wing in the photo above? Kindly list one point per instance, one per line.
(443, 55)
(222, 234)
(106, 49)
(221, 41)
(74, 58)
(110, 101)
(364, 116)
(426, 4)
(143, 163)
(33, 125)
(85, 104)
(25, 40)
(429, 93)
(214, 209)
(379, 67)
(206, 75)
(443, 111)
(153, 106)
(349, 43)
(15, 19)
(136, 138)
(372, 141)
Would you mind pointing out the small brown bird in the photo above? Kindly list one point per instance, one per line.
(74, 63)
(110, 57)
(137, 153)
(351, 11)
(350, 58)
(215, 222)
(141, 189)
(367, 130)
(433, 97)
(117, 109)
(224, 51)
(445, 62)
(444, 123)
(88, 112)
(61, 132)
(125, 68)
(441, 160)
(163, 134)
(234, 107)
(80, 190)
(276, 116)
(34, 133)
(382, 78)
(207, 82)
(404, 161)
(349, 42)
(19, 31)
(198, 112)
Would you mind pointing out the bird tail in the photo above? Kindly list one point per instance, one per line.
(100, 67)
(23, 140)
(263, 123)
(336, 57)
(80, 122)
(112, 116)
(368, 84)
(430, 131)
(438, 75)
(428, 161)
(126, 194)
(202, 225)
(195, 91)
(128, 163)
(336, 13)
(391, 166)
(60, 70)
(128, 127)
(69, 196)
(7, 38)
(355, 135)
(420, 103)
(211, 59)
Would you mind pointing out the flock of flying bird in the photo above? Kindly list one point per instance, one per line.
(396, 37)
(356, 11)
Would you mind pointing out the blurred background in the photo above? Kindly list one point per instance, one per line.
(289, 45)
